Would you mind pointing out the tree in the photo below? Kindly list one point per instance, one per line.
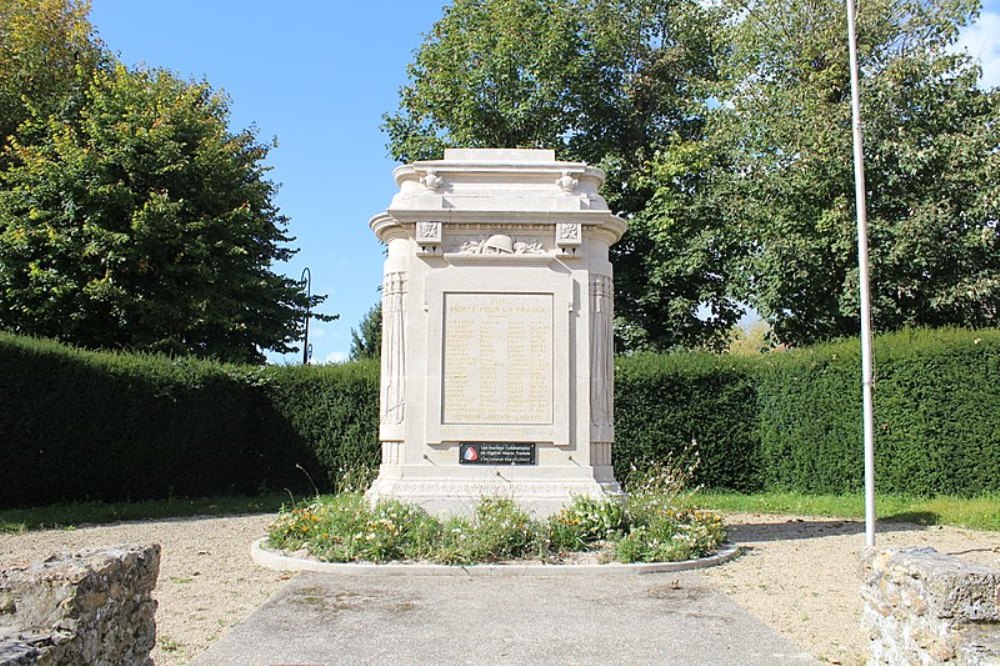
(143, 223)
(622, 84)
(366, 341)
(48, 52)
(750, 341)
(494, 73)
(931, 160)
(725, 132)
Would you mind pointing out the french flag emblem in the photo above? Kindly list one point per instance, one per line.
(471, 454)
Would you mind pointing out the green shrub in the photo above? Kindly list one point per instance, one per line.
(936, 400)
(79, 425)
(585, 521)
(663, 403)
(792, 420)
(330, 411)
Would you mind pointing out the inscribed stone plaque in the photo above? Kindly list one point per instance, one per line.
(497, 453)
(497, 359)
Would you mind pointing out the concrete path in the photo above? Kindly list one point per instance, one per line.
(600, 619)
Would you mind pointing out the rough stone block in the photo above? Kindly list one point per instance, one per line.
(92, 607)
(923, 607)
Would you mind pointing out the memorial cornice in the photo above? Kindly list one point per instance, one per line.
(523, 172)
(397, 220)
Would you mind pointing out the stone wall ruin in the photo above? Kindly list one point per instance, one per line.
(925, 607)
(92, 607)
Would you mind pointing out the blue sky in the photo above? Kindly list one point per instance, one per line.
(319, 76)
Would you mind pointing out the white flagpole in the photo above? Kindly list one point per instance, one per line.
(866, 320)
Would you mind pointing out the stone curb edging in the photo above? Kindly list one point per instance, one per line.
(275, 560)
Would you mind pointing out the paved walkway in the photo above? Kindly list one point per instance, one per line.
(595, 619)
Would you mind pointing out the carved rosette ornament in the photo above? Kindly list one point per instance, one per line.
(601, 353)
(393, 398)
(569, 237)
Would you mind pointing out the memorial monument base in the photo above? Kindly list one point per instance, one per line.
(497, 373)
(453, 494)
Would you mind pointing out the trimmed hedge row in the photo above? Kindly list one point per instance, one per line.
(666, 404)
(937, 415)
(80, 425)
(792, 420)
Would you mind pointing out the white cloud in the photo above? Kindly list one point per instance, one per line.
(982, 41)
(335, 357)
(317, 332)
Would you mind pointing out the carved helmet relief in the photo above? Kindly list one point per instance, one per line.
(500, 244)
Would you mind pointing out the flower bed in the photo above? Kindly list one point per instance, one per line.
(648, 527)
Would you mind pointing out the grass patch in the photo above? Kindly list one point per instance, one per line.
(982, 513)
(656, 523)
(69, 516)
(649, 527)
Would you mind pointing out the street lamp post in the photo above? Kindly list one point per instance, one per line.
(306, 347)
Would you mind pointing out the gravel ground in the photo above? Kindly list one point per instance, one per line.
(207, 582)
(800, 576)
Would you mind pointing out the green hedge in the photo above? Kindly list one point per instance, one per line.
(937, 415)
(78, 425)
(331, 411)
(83, 425)
(663, 403)
(792, 420)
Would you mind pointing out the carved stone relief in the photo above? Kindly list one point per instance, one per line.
(495, 244)
(393, 398)
(601, 351)
(567, 233)
(432, 181)
(428, 232)
(569, 237)
(567, 183)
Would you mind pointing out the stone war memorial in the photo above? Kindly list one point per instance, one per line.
(497, 306)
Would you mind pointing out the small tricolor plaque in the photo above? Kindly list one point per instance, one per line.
(496, 453)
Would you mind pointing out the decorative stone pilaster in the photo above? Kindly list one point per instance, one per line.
(602, 366)
(393, 394)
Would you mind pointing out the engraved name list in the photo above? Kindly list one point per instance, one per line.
(497, 358)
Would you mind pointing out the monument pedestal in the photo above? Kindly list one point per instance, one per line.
(497, 307)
